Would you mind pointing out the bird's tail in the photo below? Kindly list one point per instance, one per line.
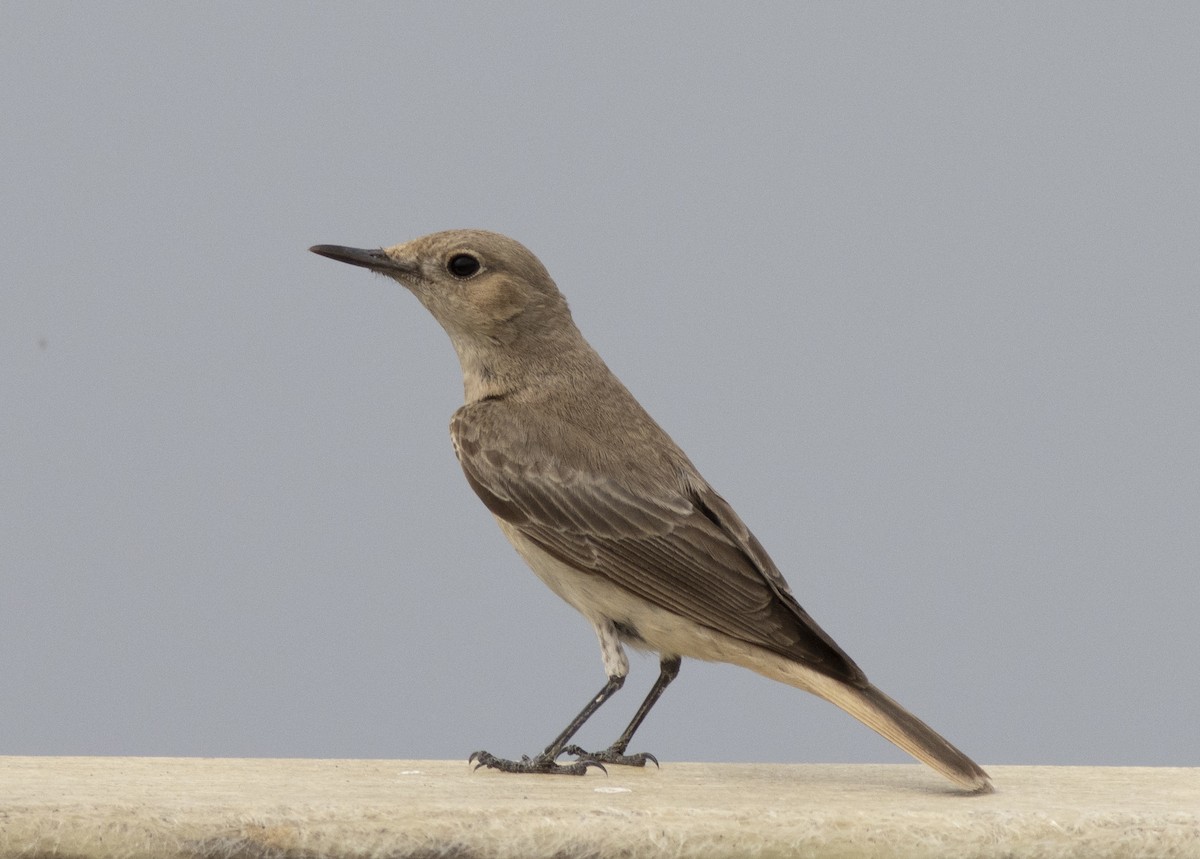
(884, 716)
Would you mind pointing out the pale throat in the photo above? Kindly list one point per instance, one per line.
(495, 369)
(487, 372)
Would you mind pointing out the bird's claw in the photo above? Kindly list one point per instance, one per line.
(543, 764)
(611, 755)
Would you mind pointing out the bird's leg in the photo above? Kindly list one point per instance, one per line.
(668, 670)
(546, 762)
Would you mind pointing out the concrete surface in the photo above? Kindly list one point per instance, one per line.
(303, 809)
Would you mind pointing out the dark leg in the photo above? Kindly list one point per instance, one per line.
(668, 670)
(545, 762)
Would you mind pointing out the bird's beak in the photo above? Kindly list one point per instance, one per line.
(376, 259)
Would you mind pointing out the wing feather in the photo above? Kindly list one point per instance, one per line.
(676, 544)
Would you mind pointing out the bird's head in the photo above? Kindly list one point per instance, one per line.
(507, 320)
(477, 284)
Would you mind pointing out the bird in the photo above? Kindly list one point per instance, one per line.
(608, 511)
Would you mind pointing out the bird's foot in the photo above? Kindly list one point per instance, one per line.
(543, 763)
(611, 755)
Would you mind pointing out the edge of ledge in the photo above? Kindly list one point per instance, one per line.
(242, 808)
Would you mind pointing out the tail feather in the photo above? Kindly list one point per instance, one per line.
(884, 716)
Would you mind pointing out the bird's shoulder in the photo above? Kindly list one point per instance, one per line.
(584, 436)
(530, 464)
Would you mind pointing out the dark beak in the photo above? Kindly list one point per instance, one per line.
(374, 259)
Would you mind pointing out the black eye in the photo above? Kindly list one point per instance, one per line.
(462, 265)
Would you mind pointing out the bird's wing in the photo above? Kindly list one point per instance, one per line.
(683, 550)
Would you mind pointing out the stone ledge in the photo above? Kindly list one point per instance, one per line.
(303, 809)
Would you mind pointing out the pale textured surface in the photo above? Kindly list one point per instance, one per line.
(160, 807)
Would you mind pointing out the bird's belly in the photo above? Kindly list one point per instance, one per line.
(644, 625)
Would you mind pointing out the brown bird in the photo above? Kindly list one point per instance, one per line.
(608, 511)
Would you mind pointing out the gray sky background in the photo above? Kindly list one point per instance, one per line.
(917, 286)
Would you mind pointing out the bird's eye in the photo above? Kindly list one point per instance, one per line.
(462, 265)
